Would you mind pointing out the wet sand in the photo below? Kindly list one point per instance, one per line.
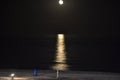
(64, 75)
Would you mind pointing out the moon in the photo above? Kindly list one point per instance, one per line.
(61, 2)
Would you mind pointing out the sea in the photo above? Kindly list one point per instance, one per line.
(59, 52)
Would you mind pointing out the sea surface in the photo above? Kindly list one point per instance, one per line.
(81, 53)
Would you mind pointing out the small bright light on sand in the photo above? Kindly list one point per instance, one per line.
(61, 2)
(12, 75)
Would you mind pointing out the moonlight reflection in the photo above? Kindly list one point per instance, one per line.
(60, 54)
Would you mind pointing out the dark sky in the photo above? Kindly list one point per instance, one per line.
(90, 17)
(29, 23)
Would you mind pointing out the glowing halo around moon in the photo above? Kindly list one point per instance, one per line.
(61, 2)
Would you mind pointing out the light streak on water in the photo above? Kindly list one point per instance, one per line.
(60, 57)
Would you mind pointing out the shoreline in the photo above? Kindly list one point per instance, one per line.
(64, 75)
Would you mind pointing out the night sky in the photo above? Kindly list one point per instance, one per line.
(29, 27)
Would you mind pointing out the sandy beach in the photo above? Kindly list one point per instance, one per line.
(63, 75)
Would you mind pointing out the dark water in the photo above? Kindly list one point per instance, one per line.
(82, 53)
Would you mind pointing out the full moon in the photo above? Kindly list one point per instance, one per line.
(60, 2)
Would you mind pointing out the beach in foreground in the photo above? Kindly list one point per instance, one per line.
(63, 75)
